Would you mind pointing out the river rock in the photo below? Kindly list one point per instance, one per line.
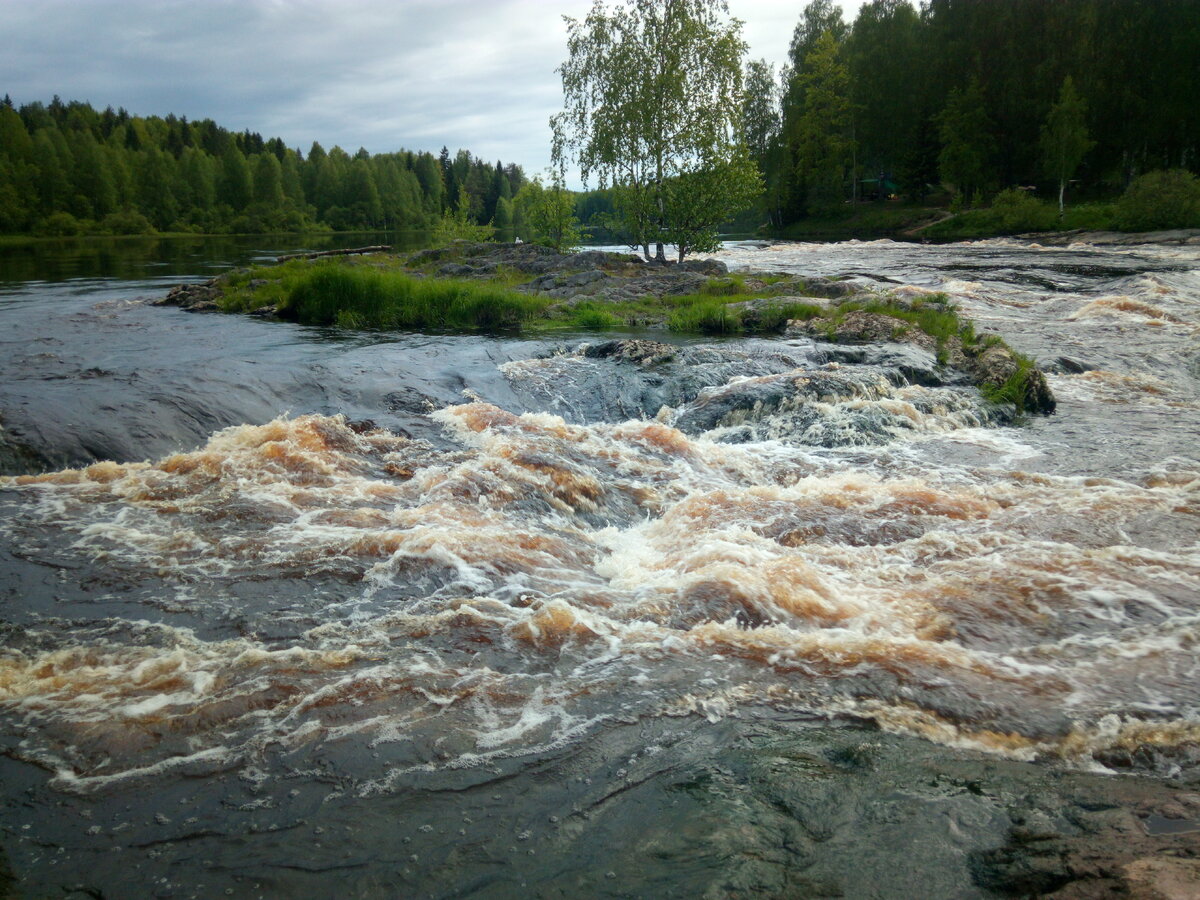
(642, 352)
(917, 365)
(995, 365)
(860, 327)
(200, 297)
(1065, 365)
(710, 267)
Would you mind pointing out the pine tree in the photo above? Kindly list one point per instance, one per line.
(823, 141)
(967, 143)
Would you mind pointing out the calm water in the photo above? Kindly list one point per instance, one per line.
(573, 624)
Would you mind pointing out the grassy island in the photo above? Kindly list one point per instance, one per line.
(525, 287)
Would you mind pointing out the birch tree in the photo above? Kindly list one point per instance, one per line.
(653, 95)
(1065, 139)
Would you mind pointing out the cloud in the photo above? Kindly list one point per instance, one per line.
(380, 74)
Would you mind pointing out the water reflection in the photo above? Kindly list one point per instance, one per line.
(137, 258)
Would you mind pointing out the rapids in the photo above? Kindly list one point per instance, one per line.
(457, 615)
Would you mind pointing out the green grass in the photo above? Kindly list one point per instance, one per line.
(365, 296)
(1014, 389)
(706, 316)
(727, 286)
(1027, 216)
(594, 319)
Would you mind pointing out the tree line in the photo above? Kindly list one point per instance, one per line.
(974, 96)
(66, 168)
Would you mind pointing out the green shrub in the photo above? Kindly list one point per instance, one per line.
(1016, 211)
(1089, 217)
(127, 221)
(364, 297)
(59, 224)
(1168, 198)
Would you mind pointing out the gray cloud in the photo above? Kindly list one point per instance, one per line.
(381, 74)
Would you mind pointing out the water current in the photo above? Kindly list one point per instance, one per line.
(297, 611)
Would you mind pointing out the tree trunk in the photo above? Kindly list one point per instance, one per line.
(1062, 187)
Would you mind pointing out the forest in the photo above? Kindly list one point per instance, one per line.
(958, 98)
(67, 169)
(1015, 107)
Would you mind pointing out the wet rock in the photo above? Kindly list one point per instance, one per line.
(16, 458)
(995, 365)
(200, 297)
(916, 364)
(860, 327)
(986, 365)
(591, 274)
(410, 400)
(827, 288)
(642, 352)
(1182, 236)
(661, 284)
(1065, 365)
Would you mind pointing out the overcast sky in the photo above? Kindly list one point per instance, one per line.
(379, 74)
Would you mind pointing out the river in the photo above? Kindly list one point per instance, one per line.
(293, 611)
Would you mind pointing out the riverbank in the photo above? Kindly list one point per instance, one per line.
(1020, 217)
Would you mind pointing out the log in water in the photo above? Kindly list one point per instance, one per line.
(737, 620)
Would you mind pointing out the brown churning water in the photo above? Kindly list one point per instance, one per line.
(548, 575)
(851, 548)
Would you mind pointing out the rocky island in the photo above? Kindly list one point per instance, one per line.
(917, 336)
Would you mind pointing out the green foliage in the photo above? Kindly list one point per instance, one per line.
(1065, 140)
(126, 221)
(823, 141)
(706, 316)
(594, 319)
(775, 318)
(1073, 95)
(726, 286)
(548, 214)
(457, 225)
(366, 297)
(696, 202)
(1163, 199)
(967, 144)
(653, 98)
(1089, 217)
(198, 177)
(1014, 211)
(60, 224)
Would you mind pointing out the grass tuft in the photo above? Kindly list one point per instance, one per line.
(706, 316)
(1015, 389)
(362, 297)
